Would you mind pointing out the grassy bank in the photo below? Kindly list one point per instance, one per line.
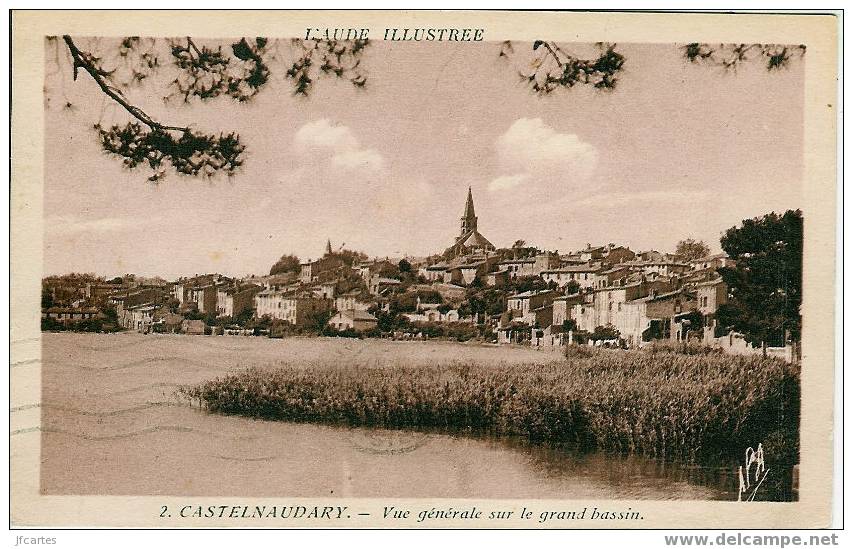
(666, 404)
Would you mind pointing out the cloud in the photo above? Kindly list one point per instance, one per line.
(531, 152)
(365, 158)
(321, 133)
(339, 142)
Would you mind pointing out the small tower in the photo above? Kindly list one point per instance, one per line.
(469, 220)
(328, 246)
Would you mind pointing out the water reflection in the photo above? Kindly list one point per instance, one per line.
(631, 476)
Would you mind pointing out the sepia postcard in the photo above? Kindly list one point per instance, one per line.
(376, 269)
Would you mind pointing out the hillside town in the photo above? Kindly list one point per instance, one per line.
(603, 294)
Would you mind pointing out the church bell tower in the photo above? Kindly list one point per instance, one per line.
(469, 220)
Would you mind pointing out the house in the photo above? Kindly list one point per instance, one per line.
(471, 272)
(592, 253)
(618, 254)
(434, 272)
(193, 327)
(712, 262)
(497, 279)
(380, 285)
(512, 332)
(526, 302)
(452, 275)
(97, 290)
(326, 290)
(614, 276)
(518, 267)
(138, 317)
(432, 312)
(651, 255)
(563, 306)
(710, 295)
(359, 321)
(299, 309)
(231, 301)
(545, 261)
(656, 316)
(539, 317)
(664, 267)
(550, 338)
(182, 287)
(133, 298)
(168, 322)
(584, 275)
(203, 298)
(571, 259)
(354, 300)
(606, 305)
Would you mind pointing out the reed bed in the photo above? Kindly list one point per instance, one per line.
(665, 404)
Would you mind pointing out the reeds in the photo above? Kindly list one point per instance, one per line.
(666, 404)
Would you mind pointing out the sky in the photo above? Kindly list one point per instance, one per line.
(675, 151)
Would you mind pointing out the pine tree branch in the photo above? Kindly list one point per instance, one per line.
(85, 61)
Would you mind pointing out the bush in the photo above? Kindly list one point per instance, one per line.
(682, 347)
(328, 331)
(578, 351)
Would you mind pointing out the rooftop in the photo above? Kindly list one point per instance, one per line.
(573, 269)
(658, 297)
(531, 293)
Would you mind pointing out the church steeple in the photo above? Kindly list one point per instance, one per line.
(469, 220)
(328, 246)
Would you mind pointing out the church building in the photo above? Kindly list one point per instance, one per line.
(470, 240)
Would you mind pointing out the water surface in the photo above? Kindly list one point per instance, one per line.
(111, 425)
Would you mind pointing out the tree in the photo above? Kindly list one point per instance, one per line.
(550, 67)
(689, 249)
(572, 287)
(605, 332)
(350, 257)
(485, 302)
(765, 286)
(46, 299)
(731, 56)
(316, 321)
(404, 266)
(388, 270)
(531, 283)
(288, 263)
